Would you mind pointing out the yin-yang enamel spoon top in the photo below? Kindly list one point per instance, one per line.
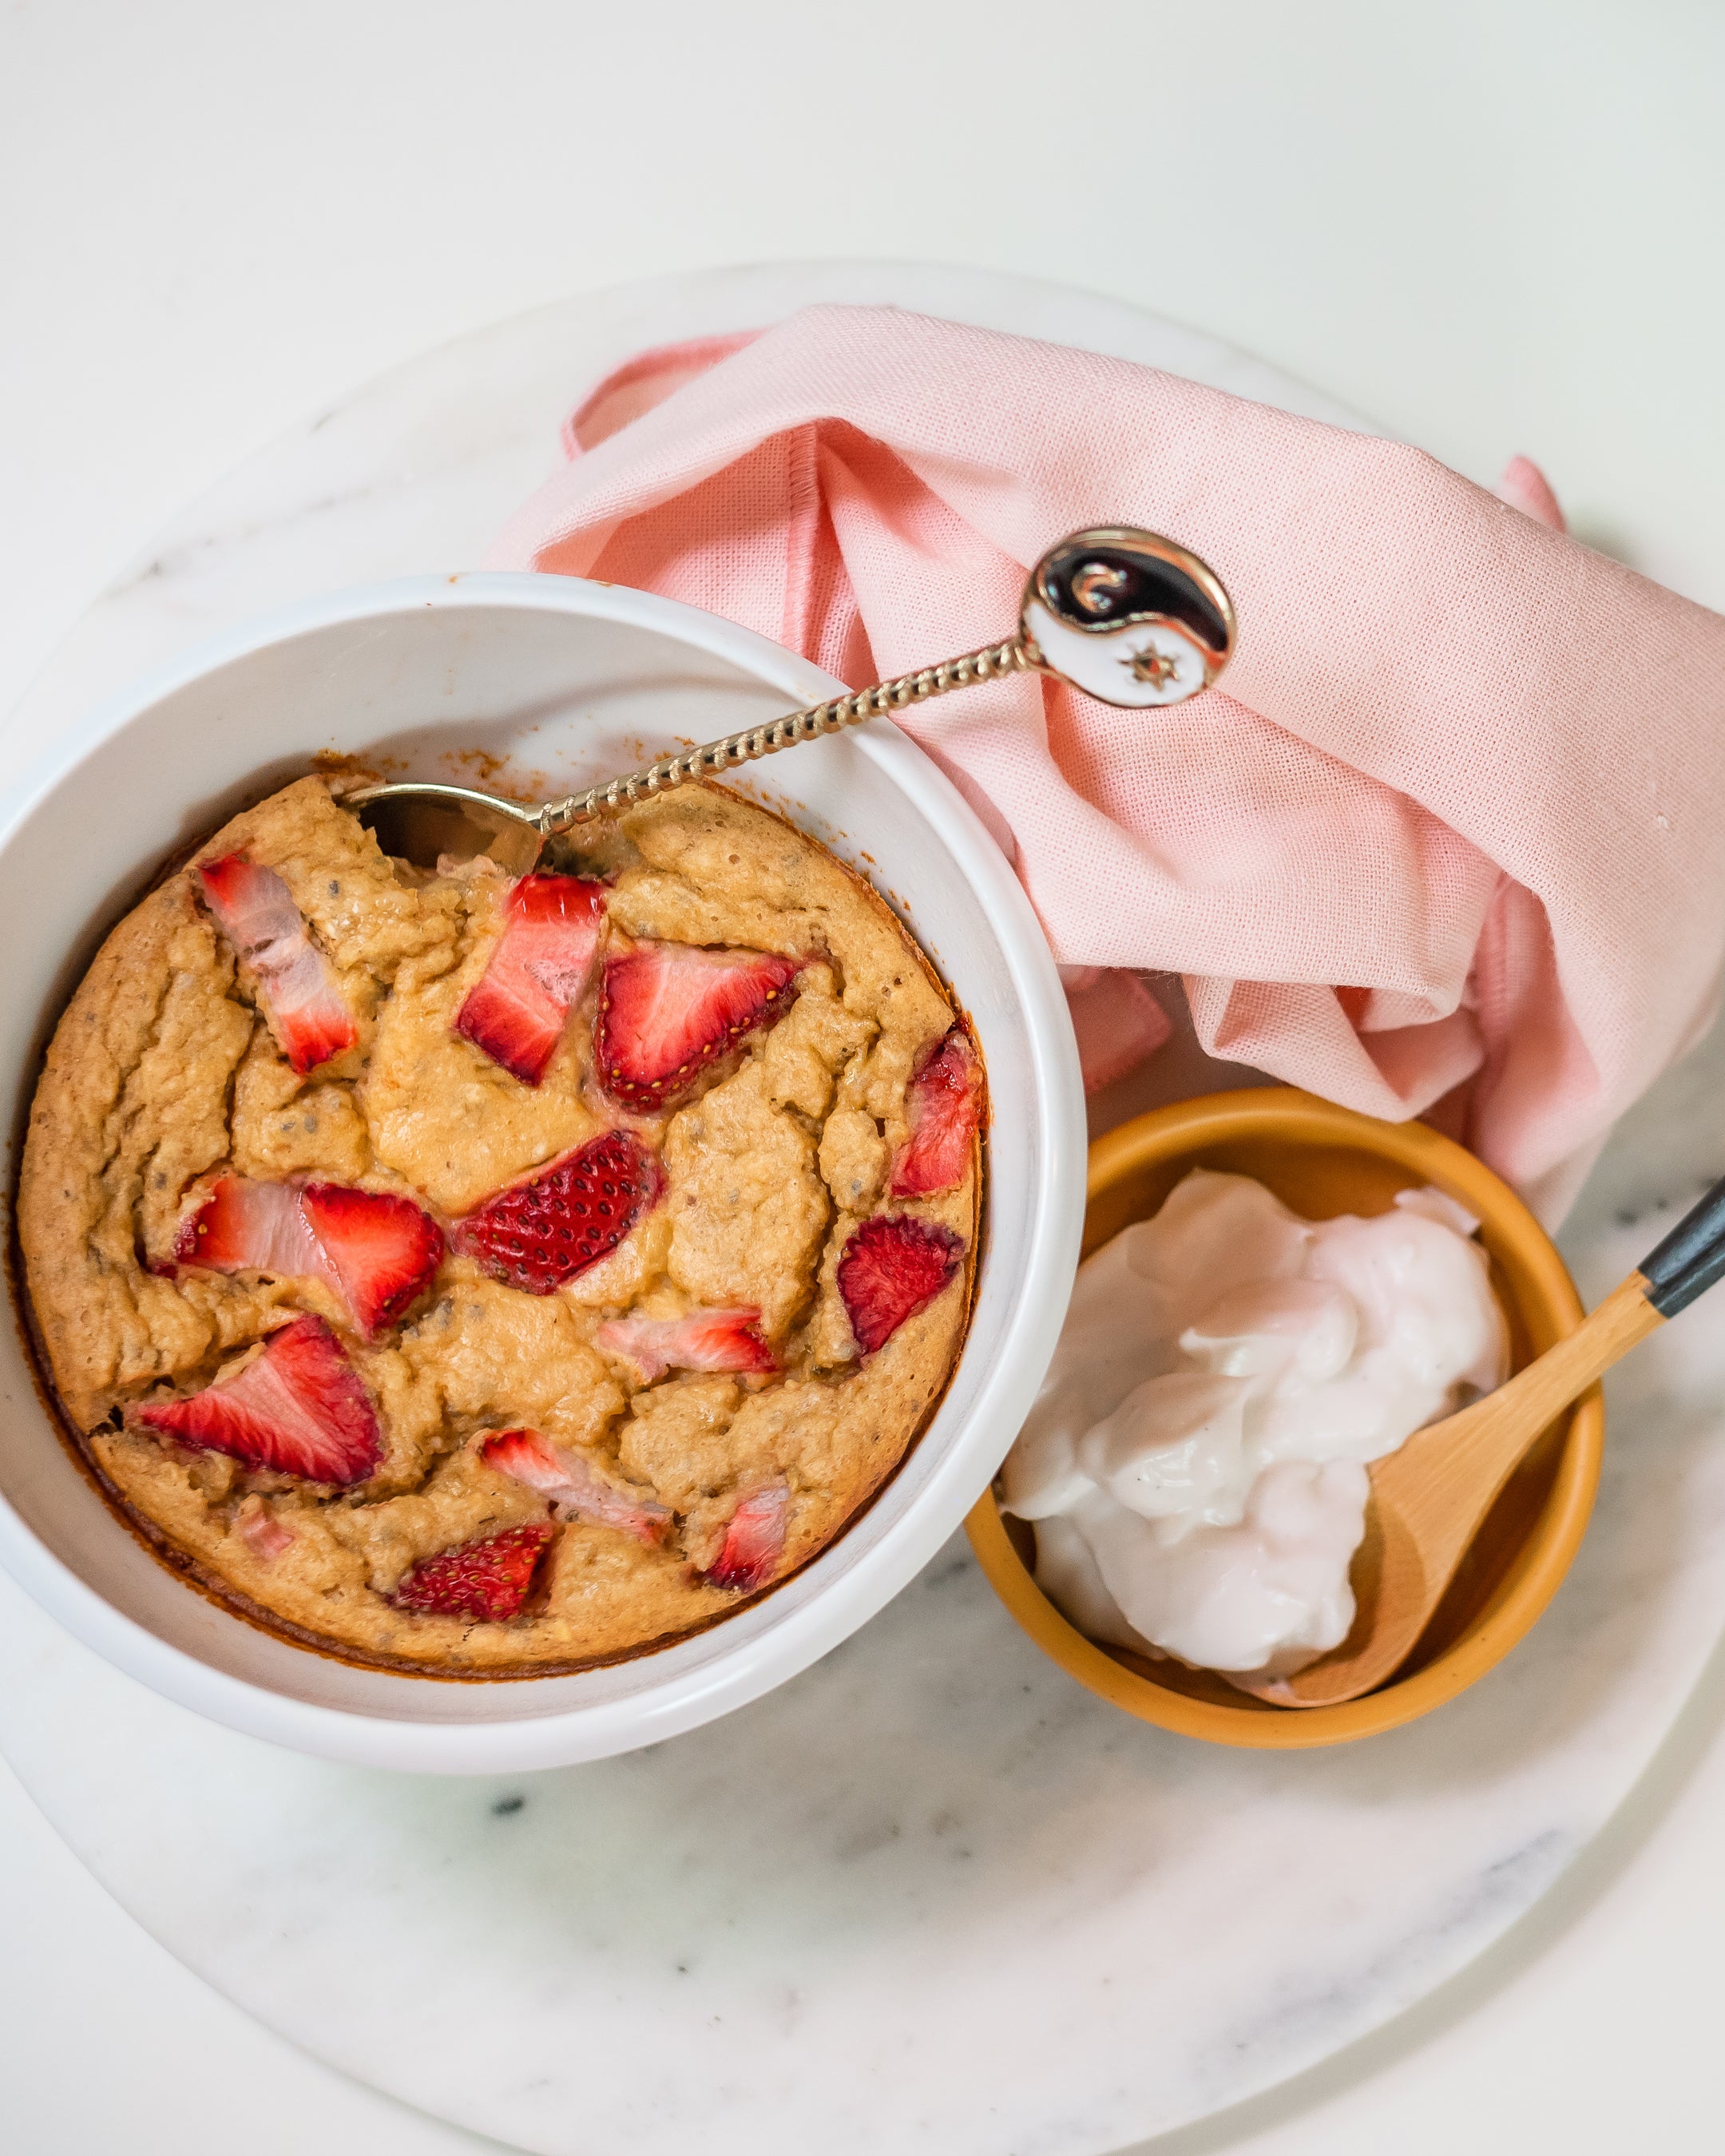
(1430, 1497)
(1126, 616)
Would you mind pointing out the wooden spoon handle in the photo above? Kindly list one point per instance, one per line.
(1446, 1477)
(1686, 1264)
(1534, 1396)
(1431, 1495)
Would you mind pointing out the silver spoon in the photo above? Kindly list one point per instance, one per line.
(1126, 616)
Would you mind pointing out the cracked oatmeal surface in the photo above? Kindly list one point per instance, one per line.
(168, 1073)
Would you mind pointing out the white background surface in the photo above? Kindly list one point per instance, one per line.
(1493, 228)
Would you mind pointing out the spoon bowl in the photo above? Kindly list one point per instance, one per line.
(420, 822)
(1322, 1160)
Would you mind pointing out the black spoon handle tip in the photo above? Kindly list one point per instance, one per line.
(1691, 1258)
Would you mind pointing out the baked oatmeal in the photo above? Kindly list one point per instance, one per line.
(498, 1275)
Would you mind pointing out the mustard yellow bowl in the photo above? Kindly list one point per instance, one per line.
(1322, 1160)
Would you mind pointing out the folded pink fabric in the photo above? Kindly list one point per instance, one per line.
(1450, 833)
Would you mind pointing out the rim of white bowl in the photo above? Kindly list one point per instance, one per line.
(515, 1744)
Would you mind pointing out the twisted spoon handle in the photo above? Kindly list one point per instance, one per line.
(1016, 654)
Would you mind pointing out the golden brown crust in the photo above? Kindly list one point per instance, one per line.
(123, 1119)
(163, 1072)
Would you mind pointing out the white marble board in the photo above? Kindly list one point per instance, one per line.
(930, 1896)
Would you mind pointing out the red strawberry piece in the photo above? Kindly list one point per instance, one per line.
(247, 1227)
(375, 1251)
(383, 1248)
(299, 1409)
(705, 1340)
(942, 1104)
(538, 1234)
(893, 1266)
(516, 1010)
(256, 911)
(667, 1010)
(754, 1541)
(487, 1582)
(574, 1486)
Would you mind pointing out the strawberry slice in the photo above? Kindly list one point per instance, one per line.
(942, 1103)
(667, 1010)
(383, 1248)
(537, 1234)
(375, 1251)
(487, 1581)
(514, 1011)
(754, 1541)
(245, 1226)
(893, 1266)
(574, 1486)
(705, 1340)
(256, 911)
(297, 1409)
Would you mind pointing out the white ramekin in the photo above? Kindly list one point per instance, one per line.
(574, 680)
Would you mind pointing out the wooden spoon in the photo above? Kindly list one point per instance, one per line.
(1430, 1497)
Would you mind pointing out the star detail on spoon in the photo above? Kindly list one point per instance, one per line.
(1152, 666)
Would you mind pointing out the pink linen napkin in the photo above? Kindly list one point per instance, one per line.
(1447, 838)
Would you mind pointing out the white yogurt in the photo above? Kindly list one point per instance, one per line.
(1195, 1463)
